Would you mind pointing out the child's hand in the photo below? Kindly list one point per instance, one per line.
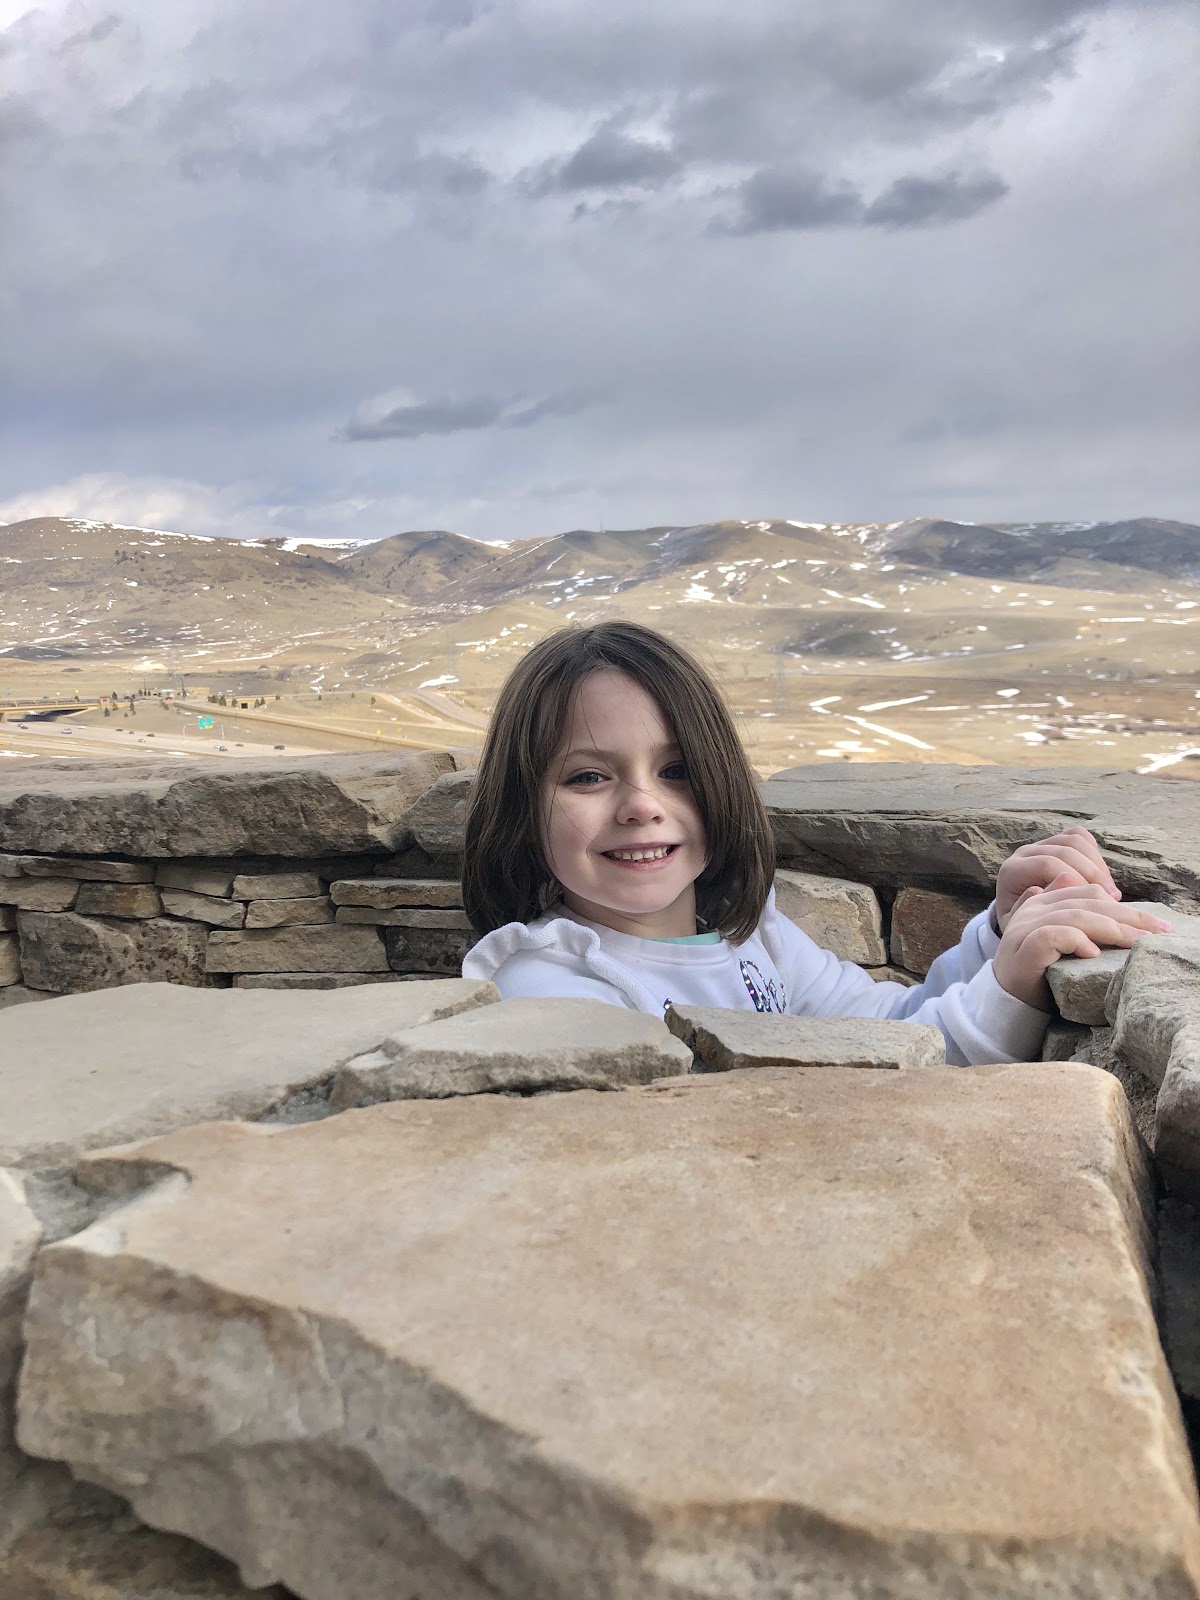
(1064, 920)
(1070, 857)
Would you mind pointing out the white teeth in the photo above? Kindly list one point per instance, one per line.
(640, 855)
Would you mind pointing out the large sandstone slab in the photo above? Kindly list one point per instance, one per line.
(39, 894)
(519, 1046)
(311, 911)
(118, 1064)
(118, 900)
(1081, 984)
(836, 913)
(67, 953)
(298, 949)
(316, 805)
(736, 1337)
(210, 909)
(727, 1041)
(386, 894)
(84, 867)
(900, 823)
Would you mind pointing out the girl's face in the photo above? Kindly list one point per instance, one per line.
(620, 828)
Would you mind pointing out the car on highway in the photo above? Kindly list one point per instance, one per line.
(281, 747)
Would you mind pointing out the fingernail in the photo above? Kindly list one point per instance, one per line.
(1167, 927)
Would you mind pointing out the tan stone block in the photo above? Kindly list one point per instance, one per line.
(289, 913)
(839, 914)
(67, 953)
(724, 1041)
(742, 1335)
(206, 908)
(10, 959)
(198, 877)
(925, 923)
(86, 868)
(437, 817)
(1081, 984)
(297, 950)
(118, 900)
(118, 1064)
(518, 1046)
(39, 894)
(405, 917)
(385, 894)
(276, 886)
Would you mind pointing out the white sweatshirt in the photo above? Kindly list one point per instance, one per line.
(779, 968)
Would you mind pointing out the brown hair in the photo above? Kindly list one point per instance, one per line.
(505, 875)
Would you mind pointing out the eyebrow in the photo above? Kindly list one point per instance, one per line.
(611, 755)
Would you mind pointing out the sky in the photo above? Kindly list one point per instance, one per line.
(511, 267)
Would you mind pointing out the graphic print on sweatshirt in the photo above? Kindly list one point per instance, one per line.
(767, 996)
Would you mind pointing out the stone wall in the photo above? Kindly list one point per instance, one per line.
(406, 1289)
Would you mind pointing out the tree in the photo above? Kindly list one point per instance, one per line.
(107, 712)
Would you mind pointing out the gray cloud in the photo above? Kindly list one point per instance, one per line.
(422, 418)
(771, 200)
(914, 202)
(610, 159)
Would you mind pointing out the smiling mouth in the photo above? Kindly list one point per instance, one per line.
(655, 853)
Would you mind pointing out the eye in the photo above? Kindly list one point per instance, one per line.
(585, 780)
(677, 772)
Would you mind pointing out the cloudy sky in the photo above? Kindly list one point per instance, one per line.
(516, 266)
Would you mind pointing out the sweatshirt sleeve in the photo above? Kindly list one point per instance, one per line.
(980, 1021)
(539, 974)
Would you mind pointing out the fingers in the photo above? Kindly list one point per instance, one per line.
(1068, 852)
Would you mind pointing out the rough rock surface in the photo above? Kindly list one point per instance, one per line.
(725, 1041)
(386, 894)
(317, 980)
(92, 869)
(437, 950)
(836, 913)
(213, 878)
(20, 1236)
(66, 952)
(406, 917)
(518, 1046)
(317, 805)
(207, 908)
(10, 959)
(1157, 1034)
(39, 894)
(310, 911)
(734, 1335)
(926, 922)
(436, 819)
(328, 949)
(118, 900)
(276, 886)
(1080, 984)
(900, 823)
(120, 1064)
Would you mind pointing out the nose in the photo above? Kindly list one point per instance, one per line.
(638, 804)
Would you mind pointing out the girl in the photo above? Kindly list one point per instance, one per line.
(617, 849)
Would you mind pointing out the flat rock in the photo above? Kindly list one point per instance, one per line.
(925, 922)
(10, 960)
(406, 917)
(314, 980)
(329, 949)
(39, 894)
(213, 878)
(312, 806)
(289, 913)
(118, 900)
(275, 885)
(119, 1064)
(732, 1337)
(385, 894)
(88, 868)
(207, 908)
(837, 913)
(899, 823)
(65, 952)
(724, 1041)
(518, 1046)
(1080, 984)
(436, 820)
